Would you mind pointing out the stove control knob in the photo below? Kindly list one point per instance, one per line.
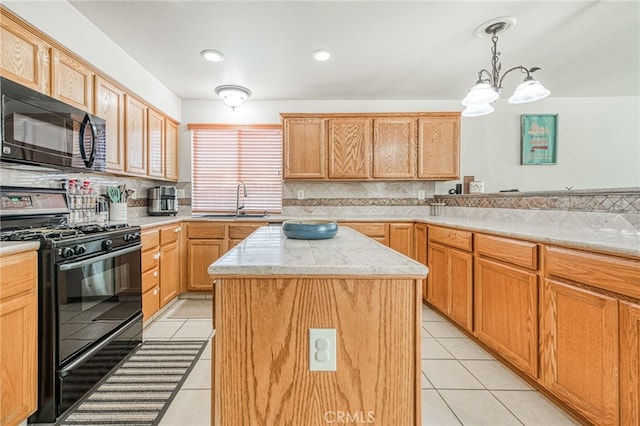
(67, 252)
(106, 245)
(131, 237)
(80, 249)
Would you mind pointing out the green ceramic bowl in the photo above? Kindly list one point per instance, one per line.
(310, 229)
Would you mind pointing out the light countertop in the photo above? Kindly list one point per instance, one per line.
(12, 247)
(268, 252)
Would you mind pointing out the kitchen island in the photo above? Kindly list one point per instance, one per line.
(270, 291)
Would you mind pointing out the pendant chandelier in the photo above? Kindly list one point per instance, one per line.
(489, 85)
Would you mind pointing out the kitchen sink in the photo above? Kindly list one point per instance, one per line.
(234, 216)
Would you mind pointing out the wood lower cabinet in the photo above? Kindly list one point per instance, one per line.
(109, 104)
(506, 292)
(350, 148)
(420, 250)
(394, 148)
(629, 363)
(205, 244)
(170, 254)
(150, 273)
(375, 230)
(305, 148)
(24, 57)
(18, 334)
(450, 279)
(401, 238)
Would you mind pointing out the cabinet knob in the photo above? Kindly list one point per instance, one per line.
(178, 229)
(155, 273)
(155, 291)
(156, 256)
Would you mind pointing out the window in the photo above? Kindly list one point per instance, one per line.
(222, 156)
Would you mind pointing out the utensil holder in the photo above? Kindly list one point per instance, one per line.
(437, 209)
(118, 211)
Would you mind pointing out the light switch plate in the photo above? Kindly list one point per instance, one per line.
(421, 194)
(300, 194)
(322, 349)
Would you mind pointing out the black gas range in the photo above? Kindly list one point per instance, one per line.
(89, 294)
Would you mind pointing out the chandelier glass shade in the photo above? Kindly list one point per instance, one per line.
(233, 96)
(489, 85)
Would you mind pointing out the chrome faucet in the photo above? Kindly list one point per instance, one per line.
(238, 205)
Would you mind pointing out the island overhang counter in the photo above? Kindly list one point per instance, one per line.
(272, 294)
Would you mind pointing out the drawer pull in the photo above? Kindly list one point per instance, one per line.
(155, 273)
(178, 229)
(156, 256)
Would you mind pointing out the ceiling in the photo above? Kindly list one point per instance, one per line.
(382, 50)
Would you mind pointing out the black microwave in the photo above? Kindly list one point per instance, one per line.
(40, 130)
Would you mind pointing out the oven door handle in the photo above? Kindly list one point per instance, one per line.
(76, 265)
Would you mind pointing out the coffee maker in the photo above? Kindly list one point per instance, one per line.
(163, 201)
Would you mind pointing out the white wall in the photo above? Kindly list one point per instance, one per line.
(598, 138)
(64, 24)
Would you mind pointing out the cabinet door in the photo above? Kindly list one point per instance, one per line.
(394, 146)
(420, 250)
(109, 104)
(629, 363)
(437, 287)
(24, 57)
(304, 155)
(201, 254)
(439, 148)
(460, 272)
(135, 136)
(155, 144)
(171, 151)
(169, 272)
(580, 349)
(72, 82)
(349, 148)
(507, 295)
(401, 238)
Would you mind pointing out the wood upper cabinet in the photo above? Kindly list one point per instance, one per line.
(155, 144)
(135, 136)
(450, 279)
(629, 363)
(439, 148)
(72, 82)
(394, 148)
(18, 337)
(171, 151)
(305, 148)
(24, 57)
(350, 148)
(109, 104)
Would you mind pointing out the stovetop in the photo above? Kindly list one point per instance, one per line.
(59, 233)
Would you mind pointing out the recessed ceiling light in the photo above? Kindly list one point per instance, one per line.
(212, 55)
(321, 55)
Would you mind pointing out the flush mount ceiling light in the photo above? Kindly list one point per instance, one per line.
(489, 85)
(233, 96)
(321, 55)
(212, 55)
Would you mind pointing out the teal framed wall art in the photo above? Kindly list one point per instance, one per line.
(539, 139)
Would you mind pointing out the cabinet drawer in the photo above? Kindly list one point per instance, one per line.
(206, 230)
(18, 272)
(150, 259)
(519, 253)
(606, 272)
(150, 238)
(169, 234)
(451, 237)
(373, 230)
(150, 303)
(240, 232)
(150, 279)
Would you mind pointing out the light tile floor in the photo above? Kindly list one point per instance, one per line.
(461, 383)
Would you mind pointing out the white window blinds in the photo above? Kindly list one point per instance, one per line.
(224, 155)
